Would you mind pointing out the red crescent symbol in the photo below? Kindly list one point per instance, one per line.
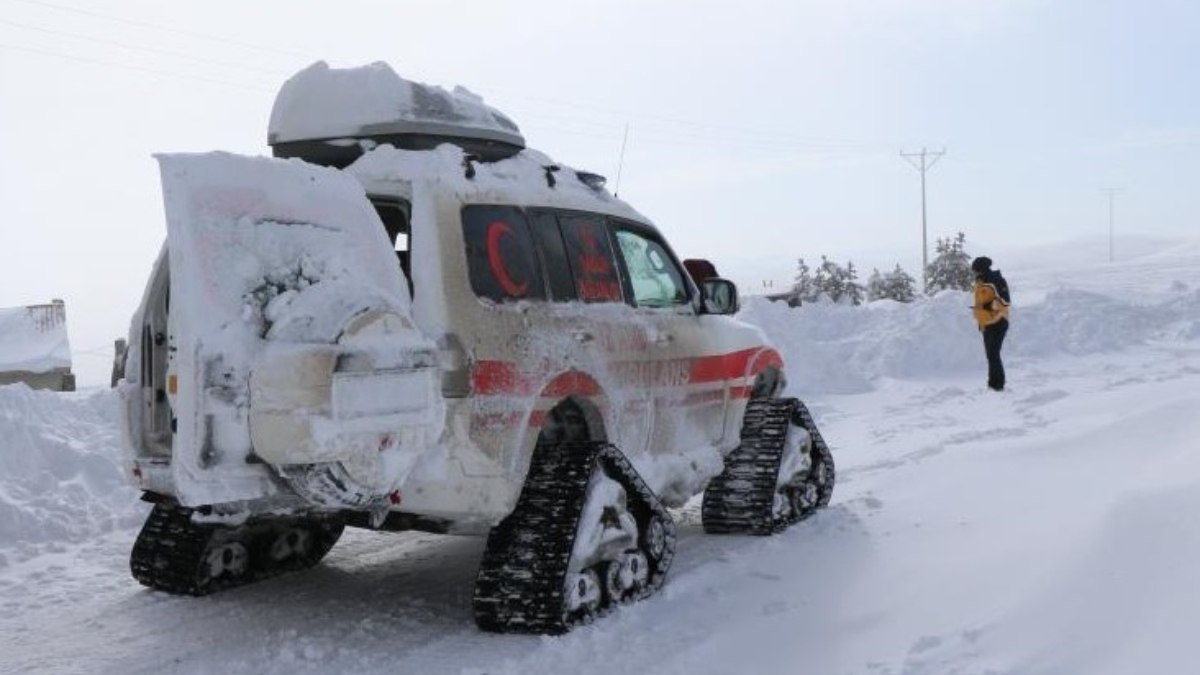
(495, 231)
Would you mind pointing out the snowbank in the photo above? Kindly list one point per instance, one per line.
(62, 474)
(837, 349)
(34, 339)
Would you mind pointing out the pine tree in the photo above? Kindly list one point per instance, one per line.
(901, 287)
(896, 285)
(876, 288)
(829, 280)
(802, 285)
(852, 290)
(951, 268)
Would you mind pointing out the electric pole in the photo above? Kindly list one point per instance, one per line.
(1111, 192)
(925, 164)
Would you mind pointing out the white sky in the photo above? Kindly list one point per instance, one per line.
(759, 132)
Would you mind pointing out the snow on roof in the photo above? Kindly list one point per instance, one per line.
(320, 102)
(34, 339)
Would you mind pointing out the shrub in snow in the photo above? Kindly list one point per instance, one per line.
(838, 284)
(951, 268)
(803, 288)
(896, 285)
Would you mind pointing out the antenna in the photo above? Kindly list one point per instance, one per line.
(621, 162)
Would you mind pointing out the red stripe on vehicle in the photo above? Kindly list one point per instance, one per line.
(503, 377)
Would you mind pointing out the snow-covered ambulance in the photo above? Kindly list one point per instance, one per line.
(408, 320)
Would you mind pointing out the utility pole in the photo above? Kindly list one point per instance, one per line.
(925, 164)
(1111, 192)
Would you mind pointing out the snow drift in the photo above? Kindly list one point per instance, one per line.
(62, 478)
(838, 349)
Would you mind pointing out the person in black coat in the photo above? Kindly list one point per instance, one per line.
(991, 313)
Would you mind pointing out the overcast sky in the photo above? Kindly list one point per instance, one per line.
(758, 132)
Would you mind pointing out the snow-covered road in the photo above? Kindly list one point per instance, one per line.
(1047, 529)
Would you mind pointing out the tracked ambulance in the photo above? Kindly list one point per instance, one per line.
(407, 320)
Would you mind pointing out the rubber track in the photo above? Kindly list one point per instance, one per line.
(169, 552)
(822, 456)
(521, 583)
(741, 499)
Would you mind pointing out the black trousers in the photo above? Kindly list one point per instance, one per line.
(993, 339)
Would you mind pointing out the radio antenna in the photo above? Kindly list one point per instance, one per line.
(621, 162)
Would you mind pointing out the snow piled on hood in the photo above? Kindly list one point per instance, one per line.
(33, 339)
(62, 478)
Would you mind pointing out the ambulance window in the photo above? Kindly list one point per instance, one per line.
(590, 253)
(394, 214)
(653, 274)
(500, 254)
(554, 255)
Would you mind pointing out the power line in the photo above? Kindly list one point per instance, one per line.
(922, 167)
(123, 66)
(161, 27)
(150, 50)
(763, 136)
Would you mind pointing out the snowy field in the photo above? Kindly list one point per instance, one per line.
(1049, 529)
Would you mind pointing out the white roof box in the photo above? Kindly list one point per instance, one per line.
(331, 115)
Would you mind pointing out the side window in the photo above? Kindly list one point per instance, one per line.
(653, 274)
(554, 255)
(500, 255)
(591, 256)
(395, 216)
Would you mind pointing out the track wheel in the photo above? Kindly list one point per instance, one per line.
(780, 474)
(173, 553)
(586, 534)
(226, 562)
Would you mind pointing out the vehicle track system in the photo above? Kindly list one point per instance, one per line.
(173, 553)
(586, 535)
(780, 474)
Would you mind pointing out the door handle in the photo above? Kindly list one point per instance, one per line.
(582, 336)
(663, 339)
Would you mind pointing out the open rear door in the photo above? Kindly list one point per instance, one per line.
(292, 344)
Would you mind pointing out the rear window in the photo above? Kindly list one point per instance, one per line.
(500, 254)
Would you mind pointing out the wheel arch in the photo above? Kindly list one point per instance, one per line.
(766, 374)
(570, 398)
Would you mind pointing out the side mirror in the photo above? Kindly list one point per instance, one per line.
(719, 296)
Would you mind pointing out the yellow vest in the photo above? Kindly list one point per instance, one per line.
(989, 306)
